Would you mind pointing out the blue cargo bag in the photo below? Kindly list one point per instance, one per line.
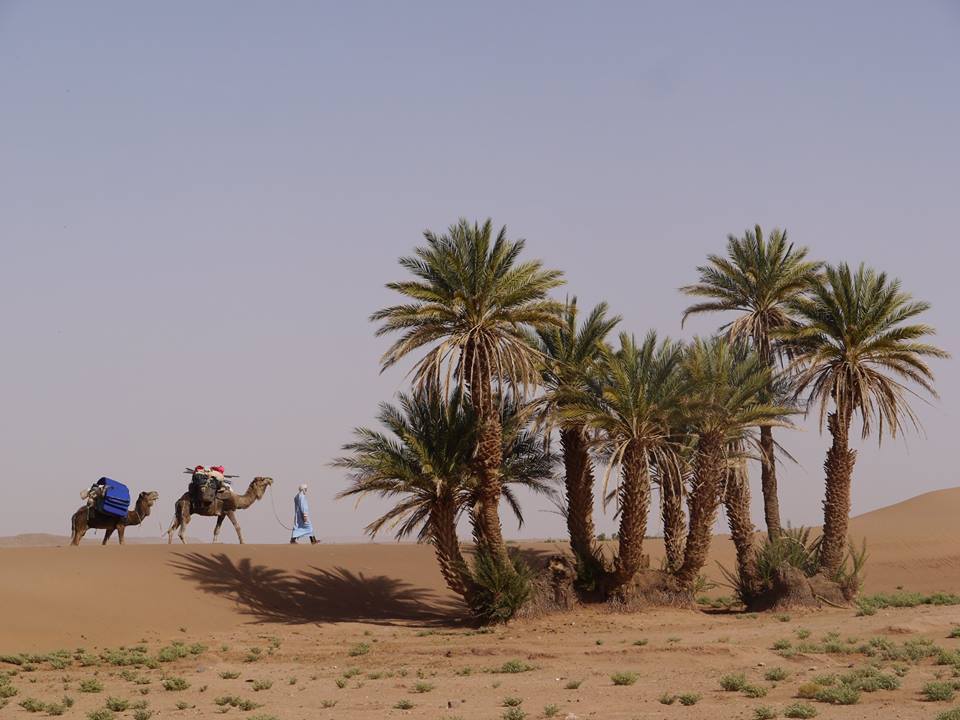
(115, 500)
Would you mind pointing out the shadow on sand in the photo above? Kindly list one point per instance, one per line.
(317, 595)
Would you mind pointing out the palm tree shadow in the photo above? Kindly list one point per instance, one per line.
(272, 595)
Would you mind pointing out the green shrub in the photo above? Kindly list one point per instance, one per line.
(32, 705)
(551, 711)
(573, 684)
(838, 695)
(500, 591)
(403, 704)
(422, 687)
(936, 691)
(229, 675)
(764, 713)
(175, 683)
(102, 714)
(733, 683)
(359, 649)
(775, 674)
(512, 701)
(799, 710)
(689, 698)
(117, 704)
(754, 691)
(624, 678)
(142, 714)
(514, 666)
(950, 714)
(667, 699)
(259, 685)
(514, 713)
(90, 685)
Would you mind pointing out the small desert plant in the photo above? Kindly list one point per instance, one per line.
(142, 714)
(800, 710)
(573, 684)
(359, 649)
(624, 678)
(32, 705)
(802, 633)
(754, 691)
(764, 712)
(733, 683)
(936, 691)
(689, 698)
(229, 675)
(775, 674)
(950, 714)
(514, 666)
(551, 711)
(403, 704)
(90, 685)
(514, 713)
(101, 714)
(117, 704)
(422, 687)
(328, 703)
(512, 701)
(667, 699)
(838, 695)
(259, 685)
(175, 683)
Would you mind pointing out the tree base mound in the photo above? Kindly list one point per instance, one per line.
(651, 588)
(793, 590)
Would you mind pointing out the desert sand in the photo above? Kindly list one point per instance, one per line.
(377, 619)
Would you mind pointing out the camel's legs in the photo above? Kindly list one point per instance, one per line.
(184, 519)
(106, 535)
(79, 528)
(236, 526)
(120, 529)
(216, 529)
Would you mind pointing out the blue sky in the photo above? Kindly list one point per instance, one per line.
(200, 204)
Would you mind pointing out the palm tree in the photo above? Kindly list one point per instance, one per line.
(725, 397)
(759, 278)
(426, 461)
(474, 303)
(571, 357)
(855, 351)
(633, 412)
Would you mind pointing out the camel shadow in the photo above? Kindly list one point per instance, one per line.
(272, 595)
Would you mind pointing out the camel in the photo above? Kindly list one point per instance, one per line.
(223, 506)
(84, 519)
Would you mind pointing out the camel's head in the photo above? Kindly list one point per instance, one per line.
(149, 497)
(260, 485)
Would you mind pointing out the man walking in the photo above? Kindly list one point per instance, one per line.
(301, 518)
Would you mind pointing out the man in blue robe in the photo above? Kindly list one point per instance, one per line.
(302, 527)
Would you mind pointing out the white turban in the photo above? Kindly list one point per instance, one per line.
(303, 488)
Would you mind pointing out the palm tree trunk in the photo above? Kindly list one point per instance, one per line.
(737, 502)
(634, 507)
(443, 535)
(489, 455)
(578, 479)
(768, 483)
(702, 502)
(674, 522)
(836, 504)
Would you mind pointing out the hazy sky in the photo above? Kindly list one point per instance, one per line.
(200, 204)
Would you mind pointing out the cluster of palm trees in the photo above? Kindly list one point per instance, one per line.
(506, 369)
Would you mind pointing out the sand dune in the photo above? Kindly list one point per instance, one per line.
(63, 596)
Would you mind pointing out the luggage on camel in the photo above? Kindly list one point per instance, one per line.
(113, 498)
(207, 483)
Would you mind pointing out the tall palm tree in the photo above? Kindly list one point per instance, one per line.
(725, 398)
(633, 412)
(759, 278)
(855, 350)
(474, 303)
(425, 460)
(571, 356)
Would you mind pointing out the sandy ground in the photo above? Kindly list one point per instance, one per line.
(377, 620)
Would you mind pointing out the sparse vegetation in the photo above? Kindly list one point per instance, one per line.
(229, 675)
(422, 687)
(573, 684)
(800, 710)
(689, 698)
(90, 685)
(259, 685)
(764, 712)
(938, 691)
(775, 674)
(733, 683)
(624, 678)
(359, 649)
(175, 684)
(403, 704)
